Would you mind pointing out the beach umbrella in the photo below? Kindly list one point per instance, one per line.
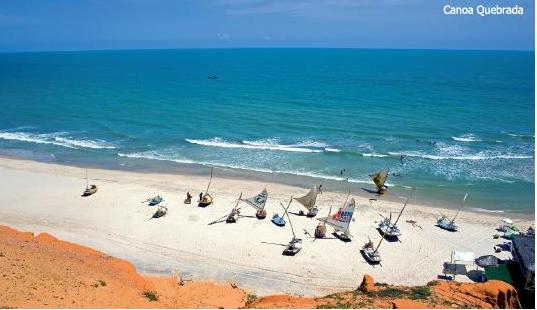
(487, 261)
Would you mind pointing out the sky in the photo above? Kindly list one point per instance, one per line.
(54, 25)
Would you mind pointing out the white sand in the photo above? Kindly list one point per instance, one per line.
(46, 197)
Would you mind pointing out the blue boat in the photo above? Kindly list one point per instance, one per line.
(278, 220)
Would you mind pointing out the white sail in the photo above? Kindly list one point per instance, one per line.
(258, 201)
(342, 219)
(308, 200)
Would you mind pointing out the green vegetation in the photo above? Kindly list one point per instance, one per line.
(337, 305)
(420, 292)
(152, 296)
(251, 298)
(391, 292)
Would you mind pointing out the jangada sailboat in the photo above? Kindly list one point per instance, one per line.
(206, 198)
(389, 229)
(258, 203)
(371, 253)
(379, 179)
(341, 220)
(308, 201)
(447, 224)
(90, 189)
(295, 245)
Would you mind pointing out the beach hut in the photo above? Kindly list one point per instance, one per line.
(523, 251)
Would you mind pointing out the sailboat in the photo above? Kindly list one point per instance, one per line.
(258, 202)
(90, 189)
(371, 253)
(389, 229)
(233, 216)
(379, 179)
(342, 219)
(207, 199)
(308, 201)
(156, 200)
(447, 224)
(295, 245)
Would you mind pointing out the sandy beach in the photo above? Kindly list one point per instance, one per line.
(43, 197)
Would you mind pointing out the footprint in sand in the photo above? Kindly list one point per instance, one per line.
(193, 218)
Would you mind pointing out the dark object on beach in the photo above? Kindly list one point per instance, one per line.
(523, 250)
(92, 189)
(320, 231)
(487, 261)
(161, 211)
(188, 199)
(206, 199)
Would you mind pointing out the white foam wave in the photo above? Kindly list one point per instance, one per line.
(56, 138)
(374, 155)
(486, 210)
(329, 149)
(157, 156)
(478, 156)
(520, 135)
(466, 138)
(266, 144)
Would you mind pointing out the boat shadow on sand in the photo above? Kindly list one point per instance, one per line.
(367, 261)
(389, 238)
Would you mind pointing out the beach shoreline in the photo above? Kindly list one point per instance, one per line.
(46, 197)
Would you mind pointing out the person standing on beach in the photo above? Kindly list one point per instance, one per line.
(201, 196)
(320, 188)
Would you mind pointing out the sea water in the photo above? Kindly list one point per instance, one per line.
(463, 121)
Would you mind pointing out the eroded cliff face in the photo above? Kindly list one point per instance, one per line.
(44, 272)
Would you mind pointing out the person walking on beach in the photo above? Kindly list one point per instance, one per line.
(320, 188)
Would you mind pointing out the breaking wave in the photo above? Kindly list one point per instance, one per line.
(266, 144)
(478, 156)
(56, 138)
(466, 138)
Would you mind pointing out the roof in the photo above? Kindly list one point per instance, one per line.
(524, 250)
(501, 272)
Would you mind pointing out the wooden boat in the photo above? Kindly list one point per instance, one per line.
(161, 211)
(371, 253)
(278, 220)
(156, 200)
(90, 189)
(207, 199)
(447, 224)
(379, 179)
(295, 245)
(258, 202)
(342, 219)
(308, 201)
(389, 229)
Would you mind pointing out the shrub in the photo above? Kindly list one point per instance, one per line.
(152, 296)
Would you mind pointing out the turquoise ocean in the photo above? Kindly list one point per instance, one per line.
(463, 120)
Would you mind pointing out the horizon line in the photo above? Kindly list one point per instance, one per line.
(252, 47)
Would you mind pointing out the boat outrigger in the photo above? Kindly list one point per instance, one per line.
(308, 201)
(295, 245)
(389, 229)
(206, 198)
(341, 220)
(379, 179)
(447, 224)
(90, 189)
(371, 253)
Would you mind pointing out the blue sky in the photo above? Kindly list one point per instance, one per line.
(30, 25)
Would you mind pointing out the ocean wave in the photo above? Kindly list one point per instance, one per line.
(266, 144)
(486, 210)
(374, 155)
(520, 135)
(56, 138)
(157, 156)
(466, 138)
(478, 156)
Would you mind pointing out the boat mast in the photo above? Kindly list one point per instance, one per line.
(87, 185)
(207, 190)
(460, 209)
(378, 245)
(404, 206)
(289, 218)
